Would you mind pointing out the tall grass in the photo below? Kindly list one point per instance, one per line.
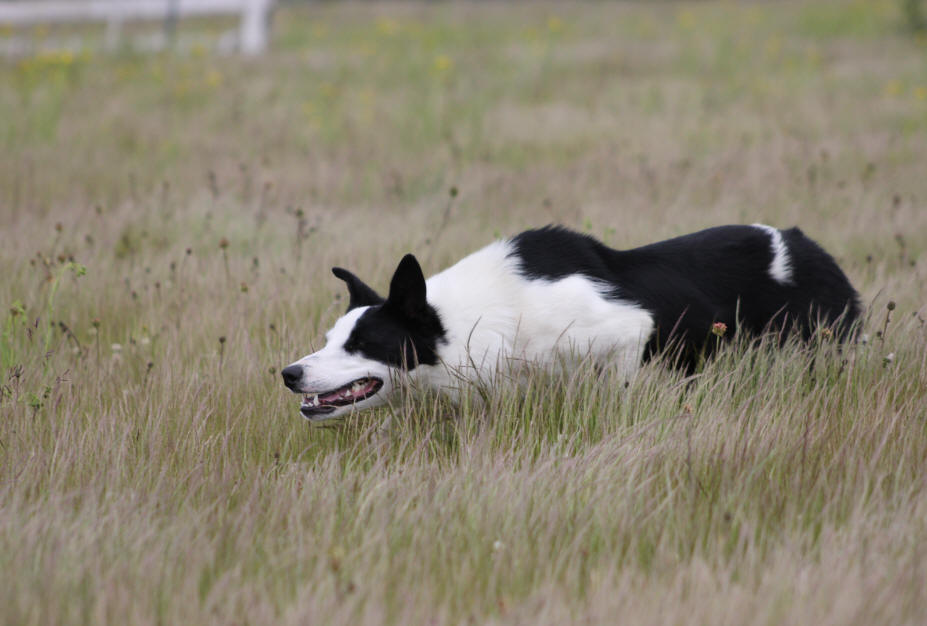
(168, 223)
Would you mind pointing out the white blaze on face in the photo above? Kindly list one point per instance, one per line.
(334, 375)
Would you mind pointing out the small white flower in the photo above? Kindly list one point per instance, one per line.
(497, 546)
(889, 357)
(116, 347)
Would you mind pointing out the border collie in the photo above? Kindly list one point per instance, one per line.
(551, 292)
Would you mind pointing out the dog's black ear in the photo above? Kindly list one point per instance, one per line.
(407, 289)
(361, 294)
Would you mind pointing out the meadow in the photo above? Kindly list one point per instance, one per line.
(167, 225)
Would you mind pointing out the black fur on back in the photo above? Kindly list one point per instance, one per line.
(716, 275)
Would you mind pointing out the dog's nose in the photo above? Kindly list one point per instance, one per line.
(292, 375)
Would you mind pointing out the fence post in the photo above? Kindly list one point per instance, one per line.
(170, 22)
(112, 37)
(255, 22)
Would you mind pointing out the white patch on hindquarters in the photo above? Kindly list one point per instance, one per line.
(781, 267)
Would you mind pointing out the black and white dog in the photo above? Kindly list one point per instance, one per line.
(551, 292)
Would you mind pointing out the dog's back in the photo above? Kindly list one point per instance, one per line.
(757, 277)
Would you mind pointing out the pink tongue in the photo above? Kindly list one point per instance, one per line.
(330, 397)
(345, 392)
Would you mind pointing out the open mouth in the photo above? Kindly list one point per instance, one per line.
(326, 402)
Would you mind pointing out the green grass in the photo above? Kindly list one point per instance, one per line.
(154, 470)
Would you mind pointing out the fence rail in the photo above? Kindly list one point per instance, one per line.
(253, 30)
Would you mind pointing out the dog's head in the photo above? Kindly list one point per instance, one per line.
(368, 346)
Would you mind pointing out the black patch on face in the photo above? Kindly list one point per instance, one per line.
(384, 335)
(404, 331)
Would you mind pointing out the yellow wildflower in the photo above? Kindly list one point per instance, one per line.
(387, 26)
(443, 63)
(893, 88)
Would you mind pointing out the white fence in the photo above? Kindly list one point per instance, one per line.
(252, 33)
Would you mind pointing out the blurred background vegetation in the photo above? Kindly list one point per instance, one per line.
(168, 218)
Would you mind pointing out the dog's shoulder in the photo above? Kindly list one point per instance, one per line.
(554, 252)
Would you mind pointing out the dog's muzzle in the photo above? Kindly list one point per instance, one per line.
(292, 377)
